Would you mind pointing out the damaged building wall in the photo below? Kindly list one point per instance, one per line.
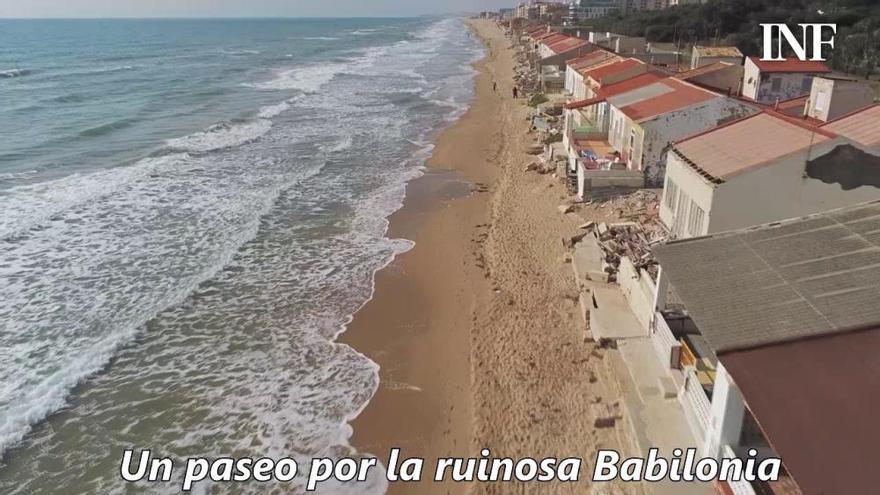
(785, 190)
(672, 126)
(848, 166)
(767, 87)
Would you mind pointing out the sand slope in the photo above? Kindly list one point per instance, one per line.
(476, 329)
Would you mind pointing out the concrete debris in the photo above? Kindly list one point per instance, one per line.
(587, 226)
(633, 238)
(606, 415)
(641, 207)
(565, 209)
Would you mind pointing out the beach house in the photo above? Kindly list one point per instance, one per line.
(556, 50)
(574, 68)
(833, 97)
(644, 121)
(767, 167)
(719, 76)
(585, 136)
(708, 55)
(772, 334)
(772, 81)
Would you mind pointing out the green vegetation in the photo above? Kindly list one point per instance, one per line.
(737, 22)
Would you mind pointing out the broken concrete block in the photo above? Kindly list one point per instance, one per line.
(565, 209)
(605, 422)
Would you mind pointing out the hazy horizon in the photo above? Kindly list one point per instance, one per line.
(209, 9)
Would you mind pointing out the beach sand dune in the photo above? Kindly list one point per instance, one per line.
(476, 329)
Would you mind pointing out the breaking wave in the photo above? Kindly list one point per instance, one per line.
(220, 136)
(9, 73)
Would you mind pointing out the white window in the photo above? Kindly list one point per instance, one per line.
(695, 220)
(821, 101)
(670, 194)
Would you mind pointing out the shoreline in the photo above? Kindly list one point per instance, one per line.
(475, 329)
(411, 327)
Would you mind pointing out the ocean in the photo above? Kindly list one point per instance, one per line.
(192, 210)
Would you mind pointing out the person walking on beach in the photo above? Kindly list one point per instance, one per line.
(515, 93)
(494, 86)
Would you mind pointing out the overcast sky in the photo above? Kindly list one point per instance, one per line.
(239, 8)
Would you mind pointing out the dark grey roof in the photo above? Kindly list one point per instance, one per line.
(784, 281)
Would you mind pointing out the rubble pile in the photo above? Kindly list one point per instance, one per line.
(526, 80)
(641, 207)
(633, 238)
(626, 239)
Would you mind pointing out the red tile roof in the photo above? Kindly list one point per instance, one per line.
(600, 73)
(616, 89)
(590, 59)
(699, 71)
(790, 65)
(630, 84)
(682, 95)
(862, 126)
(584, 103)
(548, 36)
(535, 30)
(567, 44)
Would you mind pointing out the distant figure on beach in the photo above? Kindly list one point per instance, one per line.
(515, 93)
(494, 86)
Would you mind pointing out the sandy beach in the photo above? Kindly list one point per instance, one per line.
(476, 328)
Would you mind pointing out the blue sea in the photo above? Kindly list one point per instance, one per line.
(190, 213)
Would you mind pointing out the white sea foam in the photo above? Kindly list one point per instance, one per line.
(71, 330)
(13, 73)
(274, 110)
(241, 52)
(342, 144)
(18, 175)
(26, 207)
(220, 136)
(309, 79)
(320, 38)
(248, 262)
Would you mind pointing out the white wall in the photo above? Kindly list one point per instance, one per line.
(767, 88)
(766, 194)
(728, 411)
(683, 186)
(638, 289)
(569, 79)
(574, 83)
(830, 98)
(781, 191)
(672, 126)
(544, 51)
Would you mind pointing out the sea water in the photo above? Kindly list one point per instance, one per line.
(190, 213)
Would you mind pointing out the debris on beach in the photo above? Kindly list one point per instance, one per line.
(633, 237)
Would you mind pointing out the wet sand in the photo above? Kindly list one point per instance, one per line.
(476, 328)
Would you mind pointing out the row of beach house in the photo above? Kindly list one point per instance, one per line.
(759, 322)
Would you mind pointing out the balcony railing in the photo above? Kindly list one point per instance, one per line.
(696, 403)
(741, 487)
(665, 343)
